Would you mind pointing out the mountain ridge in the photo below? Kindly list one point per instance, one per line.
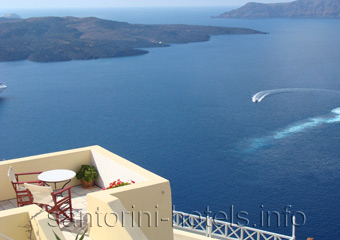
(295, 9)
(52, 39)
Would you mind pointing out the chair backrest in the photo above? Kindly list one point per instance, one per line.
(13, 179)
(41, 194)
(11, 175)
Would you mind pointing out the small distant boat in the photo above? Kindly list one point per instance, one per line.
(2, 87)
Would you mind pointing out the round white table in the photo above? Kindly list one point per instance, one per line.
(56, 176)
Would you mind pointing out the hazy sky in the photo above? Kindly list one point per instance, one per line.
(5, 4)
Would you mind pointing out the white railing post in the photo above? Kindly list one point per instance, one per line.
(293, 230)
(191, 221)
(209, 227)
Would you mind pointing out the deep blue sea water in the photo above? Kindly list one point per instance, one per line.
(185, 113)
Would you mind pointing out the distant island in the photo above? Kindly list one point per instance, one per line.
(52, 39)
(9, 16)
(12, 16)
(296, 9)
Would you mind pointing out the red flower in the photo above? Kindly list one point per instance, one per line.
(118, 183)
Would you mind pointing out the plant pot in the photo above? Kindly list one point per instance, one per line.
(86, 184)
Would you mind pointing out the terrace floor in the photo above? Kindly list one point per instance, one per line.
(69, 229)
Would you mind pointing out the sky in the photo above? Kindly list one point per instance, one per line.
(15, 4)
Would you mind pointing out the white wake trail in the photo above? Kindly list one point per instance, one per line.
(258, 97)
(305, 125)
(332, 117)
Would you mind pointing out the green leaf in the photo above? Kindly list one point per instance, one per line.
(82, 236)
(56, 236)
(87, 173)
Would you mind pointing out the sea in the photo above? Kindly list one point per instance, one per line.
(185, 112)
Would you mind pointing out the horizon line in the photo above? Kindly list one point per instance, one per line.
(103, 7)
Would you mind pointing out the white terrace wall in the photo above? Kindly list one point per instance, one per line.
(15, 224)
(140, 211)
(112, 167)
(146, 205)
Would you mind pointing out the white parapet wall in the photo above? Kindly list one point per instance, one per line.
(112, 167)
(138, 211)
(28, 222)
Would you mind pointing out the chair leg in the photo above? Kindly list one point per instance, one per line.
(71, 211)
(57, 218)
(21, 202)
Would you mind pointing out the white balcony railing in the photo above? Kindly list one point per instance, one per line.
(224, 230)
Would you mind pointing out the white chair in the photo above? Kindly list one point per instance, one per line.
(53, 204)
(20, 191)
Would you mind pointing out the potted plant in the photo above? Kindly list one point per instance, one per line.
(87, 174)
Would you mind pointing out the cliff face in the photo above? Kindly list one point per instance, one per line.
(296, 9)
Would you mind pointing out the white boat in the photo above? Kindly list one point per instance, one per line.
(2, 87)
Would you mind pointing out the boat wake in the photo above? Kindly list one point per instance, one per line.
(2, 87)
(333, 117)
(258, 97)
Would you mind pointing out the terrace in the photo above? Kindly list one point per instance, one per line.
(138, 211)
(69, 230)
